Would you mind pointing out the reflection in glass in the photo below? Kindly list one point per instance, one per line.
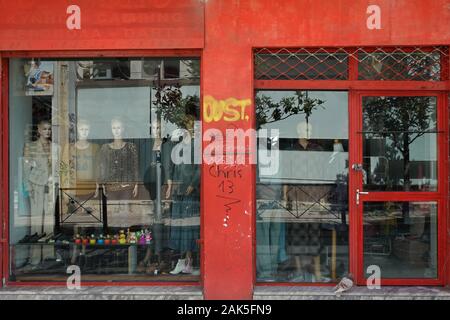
(399, 141)
(302, 210)
(305, 65)
(93, 183)
(414, 65)
(401, 238)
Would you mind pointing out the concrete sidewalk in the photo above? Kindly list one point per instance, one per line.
(356, 293)
(195, 293)
(103, 293)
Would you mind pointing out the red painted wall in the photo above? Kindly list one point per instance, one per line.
(233, 28)
(227, 30)
(2, 211)
(105, 24)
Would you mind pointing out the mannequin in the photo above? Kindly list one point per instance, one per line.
(304, 133)
(118, 165)
(302, 236)
(303, 143)
(79, 161)
(163, 146)
(270, 232)
(78, 173)
(38, 182)
(183, 189)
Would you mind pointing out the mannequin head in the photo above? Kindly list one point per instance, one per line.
(117, 128)
(304, 130)
(156, 129)
(44, 129)
(83, 128)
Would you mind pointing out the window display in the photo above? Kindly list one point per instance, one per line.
(93, 177)
(302, 224)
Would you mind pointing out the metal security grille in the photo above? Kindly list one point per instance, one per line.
(301, 64)
(398, 63)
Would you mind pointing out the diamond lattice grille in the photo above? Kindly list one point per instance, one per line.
(399, 63)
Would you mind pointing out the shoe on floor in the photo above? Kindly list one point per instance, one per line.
(195, 272)
(188, 267)
(181, 265)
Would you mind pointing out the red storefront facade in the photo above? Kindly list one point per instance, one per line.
(227, 37)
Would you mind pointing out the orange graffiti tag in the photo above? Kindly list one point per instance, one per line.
(229, 110)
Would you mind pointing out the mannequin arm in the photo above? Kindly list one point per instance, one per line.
(285, 191)
(135, 190)
(26, 167)
(169, 189)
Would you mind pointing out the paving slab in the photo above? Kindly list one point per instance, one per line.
(103, 293)
(355, 293)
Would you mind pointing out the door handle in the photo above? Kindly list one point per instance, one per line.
(358, 193)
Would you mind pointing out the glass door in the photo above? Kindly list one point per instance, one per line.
(399, 186)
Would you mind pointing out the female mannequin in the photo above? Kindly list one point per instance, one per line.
(78, 168)
(118, 165)
(38, 181)
(184, 190)
(79, 163)
(303, 237)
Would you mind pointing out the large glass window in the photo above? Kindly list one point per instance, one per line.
(302, 207)
(102, 171)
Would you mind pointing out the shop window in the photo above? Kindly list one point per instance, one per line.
(94, 176)
(302, 208)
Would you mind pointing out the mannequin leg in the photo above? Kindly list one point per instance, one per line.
(48, 223)
(36, 222)
(263, 258)
(145, 261)
(298, 265)
(274, 245)
(188, 262)
(317, 272)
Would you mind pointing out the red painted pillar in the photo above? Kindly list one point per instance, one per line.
(228, 190)
(446, 74)
(3, 174)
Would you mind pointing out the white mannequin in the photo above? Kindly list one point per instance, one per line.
(82, 143)
(83, 129)
(117, 130)
(38, 179)
(304, 131)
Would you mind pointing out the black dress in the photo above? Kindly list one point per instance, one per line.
(185, 214)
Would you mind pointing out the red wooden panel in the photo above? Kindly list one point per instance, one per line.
(105, 24)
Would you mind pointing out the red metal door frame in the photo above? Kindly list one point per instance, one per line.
(356, 234)
(355, 88)
(4, 147)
